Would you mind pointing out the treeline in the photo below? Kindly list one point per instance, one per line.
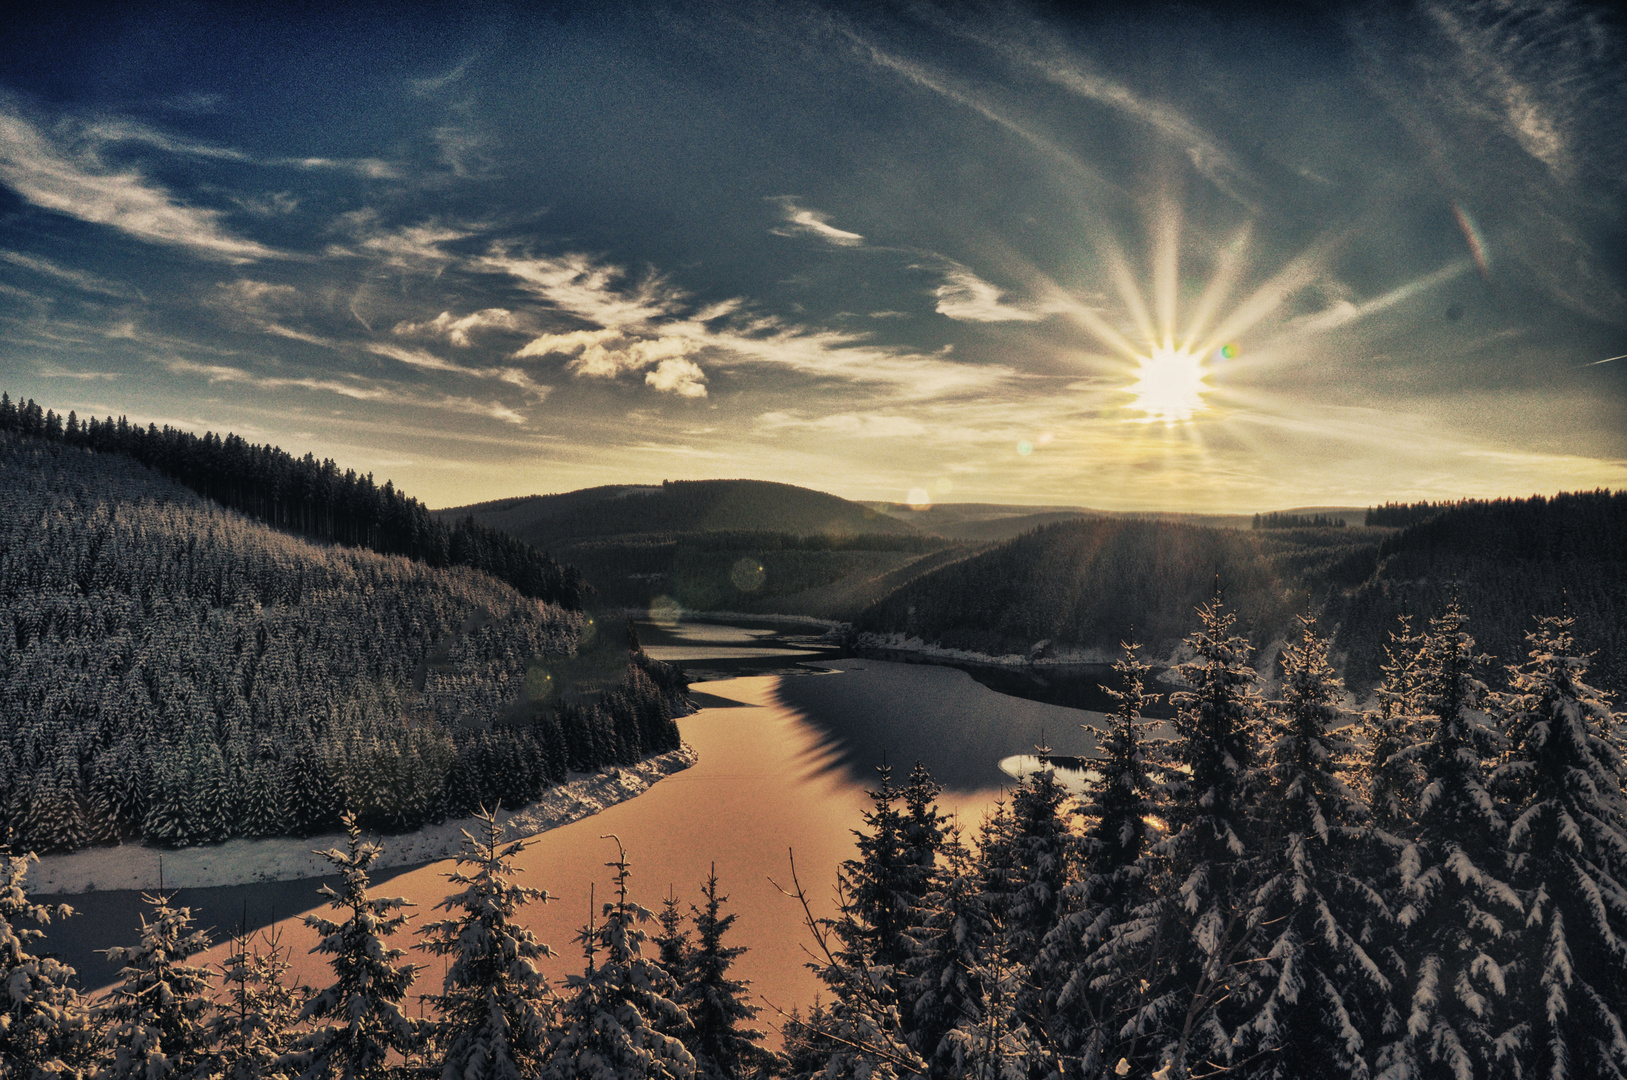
(666, 1006)
(171, 671)
(1394, 515)
(304, 496)
(1299, 521)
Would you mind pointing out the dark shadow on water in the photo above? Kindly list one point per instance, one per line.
(102, 920)
(874, 712)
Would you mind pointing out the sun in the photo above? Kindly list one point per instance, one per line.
(1170, 384)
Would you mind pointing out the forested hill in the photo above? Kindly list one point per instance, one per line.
(729, 545)
(1095, 582)
(173, 670)
(1506, 560)
(680, 506)
(308, 497)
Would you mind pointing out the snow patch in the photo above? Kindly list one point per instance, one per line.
(239, 862)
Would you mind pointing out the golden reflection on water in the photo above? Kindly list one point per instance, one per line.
(764, 786)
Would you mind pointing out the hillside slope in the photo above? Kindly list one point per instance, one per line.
(172, 670)
(719, 545)
(1092, 583)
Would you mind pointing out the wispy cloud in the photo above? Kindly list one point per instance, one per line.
(965, 297)
(405, 247)
(456, 329)
(428, 361)
(79, 279)
(353, 387)
(800, 221)
(77, 183)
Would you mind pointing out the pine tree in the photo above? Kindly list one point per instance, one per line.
(612, 1025)
(1390, 778)
(673, 942)
(1458, 911)
(255, 1025)
(45, 1027)
(1568, 842)
(724, 1049)
(365, 1022)
(1117, 838)
(1326, 996)
(496, 1007)
(1184, 948)
(879, 881)
(955, 938)
(157, 1018)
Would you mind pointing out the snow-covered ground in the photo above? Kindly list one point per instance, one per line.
(240, 862)
(1062, 657)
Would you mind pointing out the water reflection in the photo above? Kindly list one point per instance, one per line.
(875, 711)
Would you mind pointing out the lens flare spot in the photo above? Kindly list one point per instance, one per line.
(1025, 448)
(918, 499)
(1228, 352)
(1169, 387)
(747, 575)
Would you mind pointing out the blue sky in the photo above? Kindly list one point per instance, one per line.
(1152, 256)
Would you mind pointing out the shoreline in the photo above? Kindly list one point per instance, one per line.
(136, 866)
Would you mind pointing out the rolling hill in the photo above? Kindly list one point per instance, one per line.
(179, 672)
(721, 545)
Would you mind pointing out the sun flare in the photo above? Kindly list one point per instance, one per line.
(1169, 387)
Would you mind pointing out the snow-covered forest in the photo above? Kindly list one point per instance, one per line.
(175, 671)
(1275, 886)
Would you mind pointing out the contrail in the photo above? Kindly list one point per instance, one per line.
(1606, 360)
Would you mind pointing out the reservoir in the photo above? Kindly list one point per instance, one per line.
(785, 757)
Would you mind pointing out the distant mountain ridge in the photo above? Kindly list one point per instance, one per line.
(679, 506)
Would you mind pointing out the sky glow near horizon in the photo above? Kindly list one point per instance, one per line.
(1140, 259)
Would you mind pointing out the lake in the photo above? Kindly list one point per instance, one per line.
(785, 760)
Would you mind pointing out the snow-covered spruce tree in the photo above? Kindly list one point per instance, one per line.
(723, 1046)
(880, 881)
(1391, 779)
(1458, 912)
(45, 1026)
(496, 1007)
(1568, 842)
(157, 1018)
(612, 1027)
(255, 1025)
(1117, 836)
(359, 1019)
(954, 938)
(673, 942)
(1326, 999)
(1182, 954)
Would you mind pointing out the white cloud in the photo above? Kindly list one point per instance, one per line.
(642, 322)
(800, 221)
(456, 330)
(676, 375)
(968, 298)
(78, 184)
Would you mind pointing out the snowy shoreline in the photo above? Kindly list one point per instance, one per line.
(906, 643)
(242, 862)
